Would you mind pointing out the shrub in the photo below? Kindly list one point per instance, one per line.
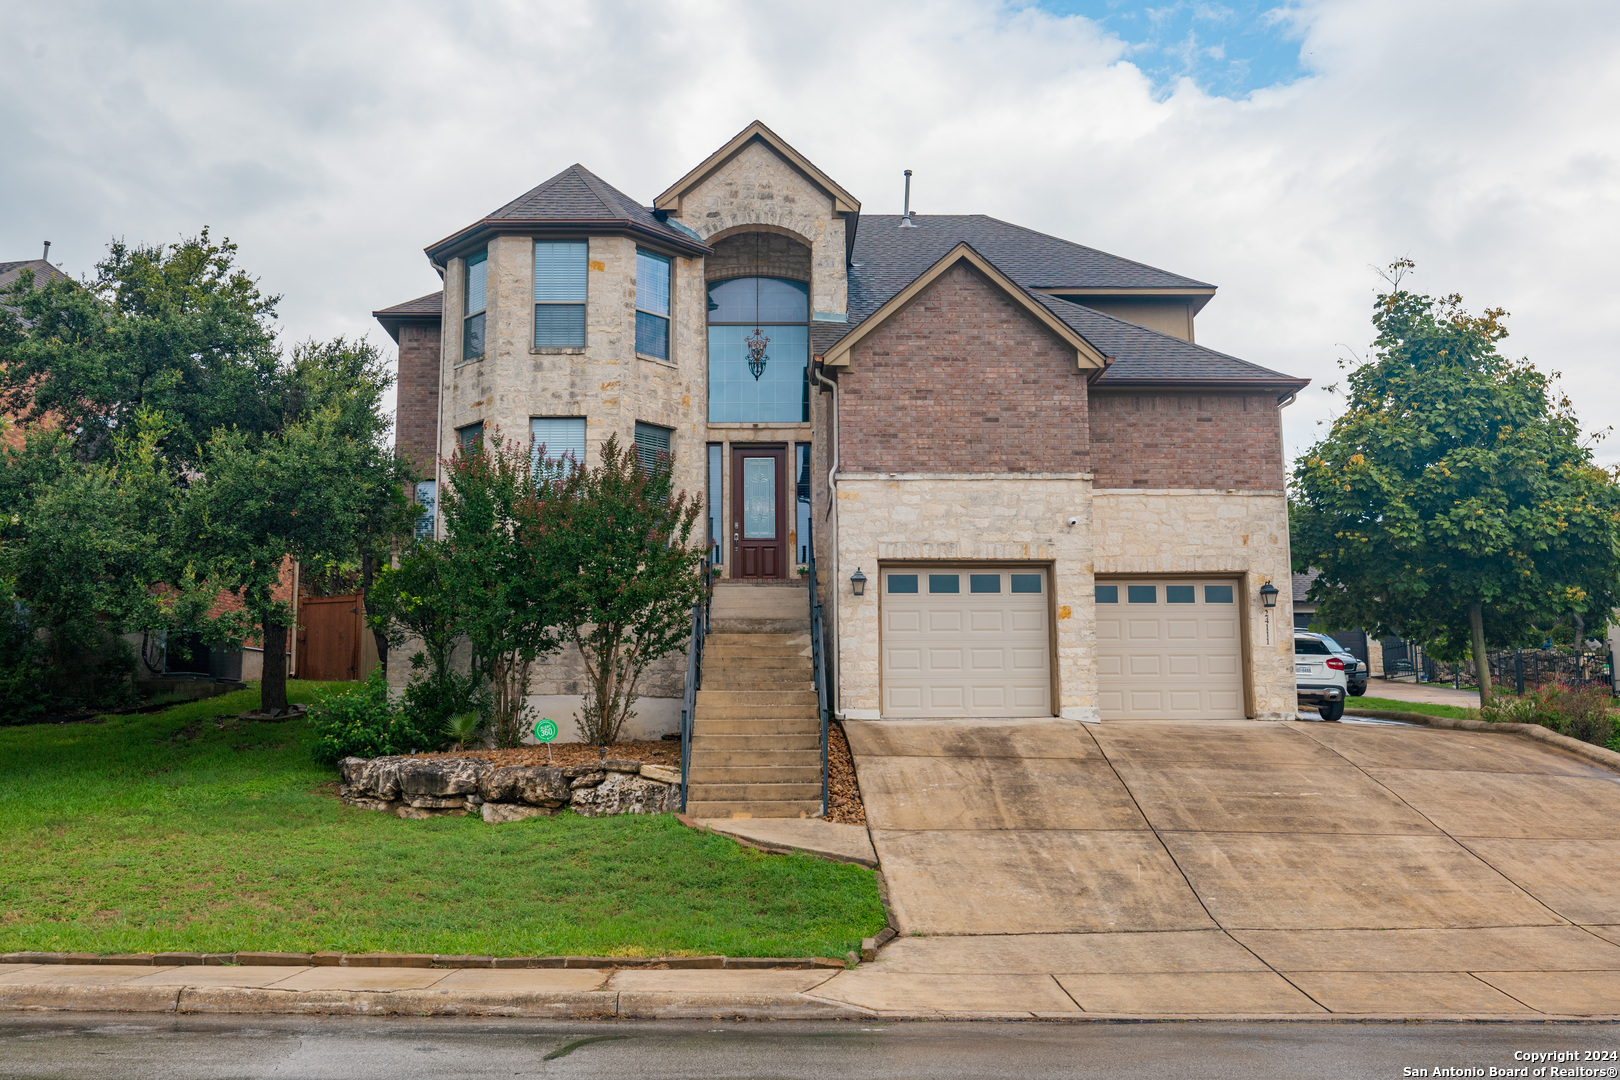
(436, 695)
(363, 722)
(1581, 712)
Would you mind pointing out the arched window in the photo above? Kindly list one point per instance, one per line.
(762, 385)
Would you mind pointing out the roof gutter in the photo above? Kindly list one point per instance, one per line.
(441, 252)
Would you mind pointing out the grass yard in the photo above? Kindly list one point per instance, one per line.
(1392, 705)
(191, 830)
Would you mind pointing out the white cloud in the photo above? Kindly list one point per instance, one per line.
(333, 141)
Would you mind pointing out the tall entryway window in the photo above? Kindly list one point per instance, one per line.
(759, 350)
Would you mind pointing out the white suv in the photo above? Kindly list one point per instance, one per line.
(1319, 676)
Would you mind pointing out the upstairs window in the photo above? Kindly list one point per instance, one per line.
(470, 438)
(427, 492)
(472, 326)
(652, 442)
(557, 441)
(652, 304)
(772, 386)
(559, 293)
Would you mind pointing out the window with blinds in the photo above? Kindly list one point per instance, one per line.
(560, 269)
(652, 304)
(470, 438)
(652, 442)
(557, 441)
(472, 326)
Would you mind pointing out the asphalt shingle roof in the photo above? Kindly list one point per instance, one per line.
(431, 304)
(43, 271)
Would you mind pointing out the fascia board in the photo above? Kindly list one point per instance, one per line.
(843, 202)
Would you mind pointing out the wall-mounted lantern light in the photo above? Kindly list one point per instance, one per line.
(857, 582)
(1268, 595)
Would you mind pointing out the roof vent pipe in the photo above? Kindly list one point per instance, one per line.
(47, 256)
(905, 218)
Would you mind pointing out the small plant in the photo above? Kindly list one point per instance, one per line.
(1581, 712)
(464, 729)
(363, 722)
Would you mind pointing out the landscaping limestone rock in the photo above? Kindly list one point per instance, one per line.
(537, 785)
(360, 802)
(437, 802)
(617, 765)
(503, 813)
(590, 779)
(625, 793)
(422, 813)
(441, 776)
(662, 773)
(378, 777)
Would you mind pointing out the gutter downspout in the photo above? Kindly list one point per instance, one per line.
(831, 388)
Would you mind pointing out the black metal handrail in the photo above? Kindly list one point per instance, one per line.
(694, 671)
(818, 661)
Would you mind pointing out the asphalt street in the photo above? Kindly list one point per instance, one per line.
(124, 1047)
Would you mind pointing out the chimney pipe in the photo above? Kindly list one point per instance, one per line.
(905, 217)
(47, 256)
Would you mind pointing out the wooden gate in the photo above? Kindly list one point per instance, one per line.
(329, 632)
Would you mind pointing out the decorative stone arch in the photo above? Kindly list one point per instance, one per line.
(780, 253)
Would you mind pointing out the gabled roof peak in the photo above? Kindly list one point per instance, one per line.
(843, 202)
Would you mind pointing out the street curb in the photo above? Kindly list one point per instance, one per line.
(425, 960)
(1598, 754)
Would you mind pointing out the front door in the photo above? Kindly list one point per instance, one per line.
(759, 512)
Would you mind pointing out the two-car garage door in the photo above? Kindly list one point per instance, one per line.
(1168, 649)
(966, 641)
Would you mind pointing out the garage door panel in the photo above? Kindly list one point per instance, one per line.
(982, 651)
(1173, 653)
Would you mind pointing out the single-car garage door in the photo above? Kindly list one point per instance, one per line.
(966, 641)
(1168, 648)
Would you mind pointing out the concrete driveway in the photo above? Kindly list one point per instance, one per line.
(1289, 869)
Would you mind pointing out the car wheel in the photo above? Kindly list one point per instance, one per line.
(1330, 710)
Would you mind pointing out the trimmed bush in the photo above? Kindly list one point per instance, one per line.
(1581, 712)
(363, 722)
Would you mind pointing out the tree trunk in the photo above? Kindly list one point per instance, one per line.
(1482, 663)
(273, 689)
(367, 573)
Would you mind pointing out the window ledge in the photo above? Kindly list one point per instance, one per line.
(464, 363)
(658, 360)
(557, 350)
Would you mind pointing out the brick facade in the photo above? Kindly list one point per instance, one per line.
(416, 418)
(1226, 441)
(758, 253)
(962, 380)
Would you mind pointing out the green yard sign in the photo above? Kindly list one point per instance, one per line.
(545, 730)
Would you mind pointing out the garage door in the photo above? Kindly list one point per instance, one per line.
(966, 641)
(1168, 649)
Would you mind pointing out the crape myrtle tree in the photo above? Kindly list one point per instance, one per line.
(628, 574)
(1453, 501)
(308, 491)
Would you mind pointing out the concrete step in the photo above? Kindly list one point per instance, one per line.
(715, 640)
(784, 809)
(753, 650)
(760, 626)
(794, 674)
(758, 792)
(708, 775)
(757, 740)
(755, 697)
(755, 683)
(758, 712)
(756, 758)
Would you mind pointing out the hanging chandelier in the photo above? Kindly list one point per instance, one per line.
(757, 341)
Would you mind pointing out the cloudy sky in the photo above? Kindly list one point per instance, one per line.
(1279, 152)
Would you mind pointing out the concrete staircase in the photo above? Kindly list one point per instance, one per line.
(756, 738)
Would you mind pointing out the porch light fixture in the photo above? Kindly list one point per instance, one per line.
(1268, 595)
(857, 582)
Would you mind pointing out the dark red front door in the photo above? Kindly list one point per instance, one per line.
(759, 512)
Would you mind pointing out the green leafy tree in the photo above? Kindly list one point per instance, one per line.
(1453, 501)
(308, 491)
(177, 329)
(628, 577)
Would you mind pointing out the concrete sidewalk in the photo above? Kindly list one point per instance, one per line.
(1423, 693)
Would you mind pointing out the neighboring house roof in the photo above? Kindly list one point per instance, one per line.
(574, 200)
(889, 261)
(429, 308)
(1302, 585)
(43, 271)
(1038, 307)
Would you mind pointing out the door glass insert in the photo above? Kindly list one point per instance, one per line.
(759, 498)
(1217, 594)
(1180, 594)
(1142, 594)
(984, 583)
(944, 583)
(902, 583)
(1026, 583)
(1108, 594)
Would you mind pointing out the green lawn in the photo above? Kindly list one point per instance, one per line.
(1392, 705)
(188, 830)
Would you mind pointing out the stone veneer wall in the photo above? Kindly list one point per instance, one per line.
(965, 517)
(1211, 532)
(758, 253)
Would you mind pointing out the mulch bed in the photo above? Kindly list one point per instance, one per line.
(843, 794)
(648, 753)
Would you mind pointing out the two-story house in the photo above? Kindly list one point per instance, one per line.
(1030, 491)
